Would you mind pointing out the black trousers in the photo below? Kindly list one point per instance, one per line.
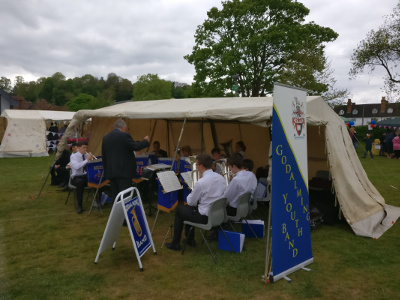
(80, 182)
(118, 185)
(231, 211)
(186, 213)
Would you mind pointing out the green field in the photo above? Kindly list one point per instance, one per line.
(47, 251)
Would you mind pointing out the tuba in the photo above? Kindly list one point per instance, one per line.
(222, 163)
(195, 173)
(227, 148)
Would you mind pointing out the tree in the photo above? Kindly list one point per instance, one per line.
(5, 84)
(82, 101)
(310, 69)
(381, 48)
(254, 39)
(150, 87)
(47, 90)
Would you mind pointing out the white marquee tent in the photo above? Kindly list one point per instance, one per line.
(25, 131)
(213, 121)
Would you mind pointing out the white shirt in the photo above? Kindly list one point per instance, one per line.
(207, 189)
(244, 182)
(77, 163)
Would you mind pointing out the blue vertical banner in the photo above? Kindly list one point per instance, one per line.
(291, 240)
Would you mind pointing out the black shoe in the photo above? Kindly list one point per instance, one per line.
(175, 247)
(79, 211)
(191, 242)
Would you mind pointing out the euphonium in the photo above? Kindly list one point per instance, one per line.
(195, 172)
(222, 163)
(227, 148)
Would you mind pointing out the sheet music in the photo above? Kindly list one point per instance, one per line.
(187, 177)
(169, 181)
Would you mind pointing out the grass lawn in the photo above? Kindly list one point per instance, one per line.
(47, 251)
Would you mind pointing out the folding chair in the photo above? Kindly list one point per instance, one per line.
(243, 210)
(263, 191)
(216, 216)
(71, 188)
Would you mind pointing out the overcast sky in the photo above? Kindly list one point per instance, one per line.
(132, 38)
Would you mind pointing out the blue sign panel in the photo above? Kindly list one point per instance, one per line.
(138, 228)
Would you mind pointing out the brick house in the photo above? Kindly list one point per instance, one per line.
(362, 114)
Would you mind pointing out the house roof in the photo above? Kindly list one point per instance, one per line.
(369, 110)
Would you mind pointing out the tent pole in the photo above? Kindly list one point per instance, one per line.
(214, 133)
(152, 134)
(268, 254)
(47, 177)
(202, 136)
(167, 127)
(177, 145)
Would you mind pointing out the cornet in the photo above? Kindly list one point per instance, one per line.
(195, 173)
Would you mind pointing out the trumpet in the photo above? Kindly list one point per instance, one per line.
(92, 155)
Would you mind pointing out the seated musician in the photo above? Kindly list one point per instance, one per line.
(78, 162)
(248, 165)
(186, 151)
(60, 171)
(157, 151)
(216, 155)
(242, 183)
(209, 188)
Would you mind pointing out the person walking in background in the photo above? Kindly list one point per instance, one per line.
(389, 143)
(119, 160)
(382, 150)
(368, 146)
(353, 136)
(396, 146)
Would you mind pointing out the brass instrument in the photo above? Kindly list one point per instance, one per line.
(227, 148)
(195, 173)
(222, 163)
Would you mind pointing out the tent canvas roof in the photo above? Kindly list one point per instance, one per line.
(329, 144)
(389, 122)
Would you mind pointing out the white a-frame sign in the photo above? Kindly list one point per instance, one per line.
(130, 208)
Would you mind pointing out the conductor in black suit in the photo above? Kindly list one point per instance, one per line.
(119, 160)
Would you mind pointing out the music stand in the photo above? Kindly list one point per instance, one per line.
(167, 197)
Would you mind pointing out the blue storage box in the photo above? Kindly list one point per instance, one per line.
(256, 225)
(235, 238)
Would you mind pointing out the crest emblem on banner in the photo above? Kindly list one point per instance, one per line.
(298, 117)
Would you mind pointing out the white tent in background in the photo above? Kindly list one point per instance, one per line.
(212, 121)
(24, 131)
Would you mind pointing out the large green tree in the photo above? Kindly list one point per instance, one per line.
(381, 49)
(151, 87)
(254, 39)
(5, 84)
(82, 101)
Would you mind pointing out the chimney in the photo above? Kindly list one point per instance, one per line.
(383, 105)
(348, 106)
